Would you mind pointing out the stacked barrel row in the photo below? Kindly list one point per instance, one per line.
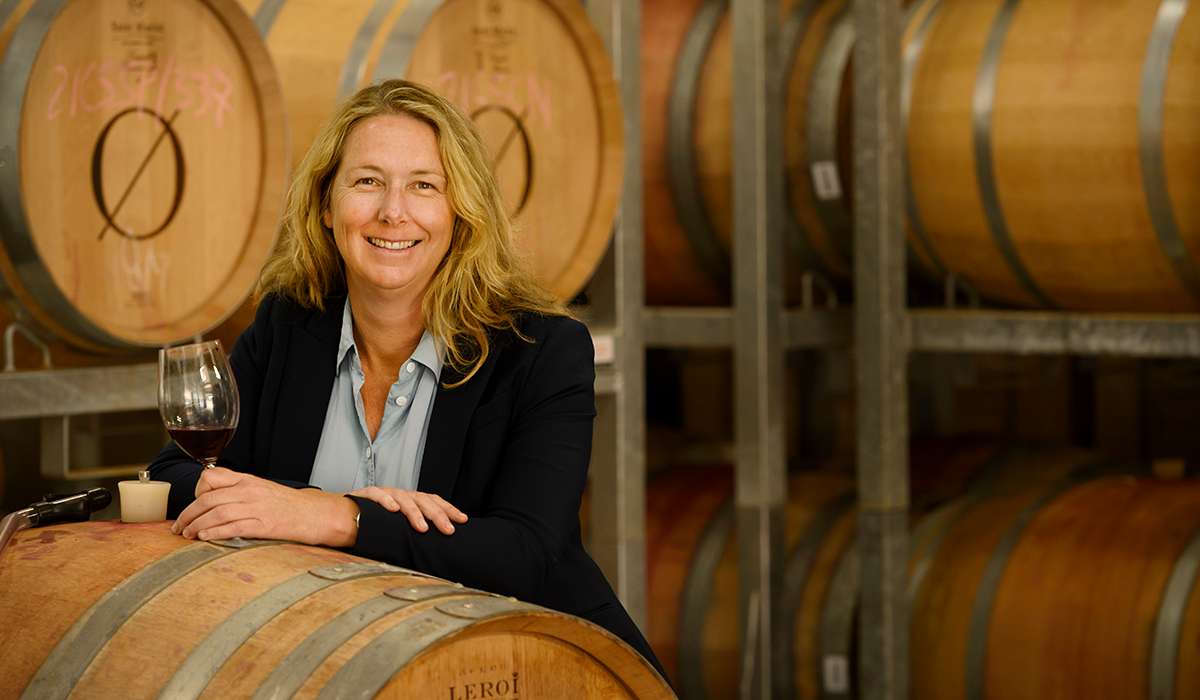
(1034, 572)
(1050, 148)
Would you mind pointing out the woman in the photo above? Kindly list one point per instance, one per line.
(403, 364)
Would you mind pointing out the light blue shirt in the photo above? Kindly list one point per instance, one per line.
(347, 459)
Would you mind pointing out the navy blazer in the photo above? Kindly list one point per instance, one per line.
(510, 448)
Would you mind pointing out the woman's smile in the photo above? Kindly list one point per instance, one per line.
(391, 245)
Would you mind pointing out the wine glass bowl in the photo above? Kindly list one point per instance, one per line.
(198, 399)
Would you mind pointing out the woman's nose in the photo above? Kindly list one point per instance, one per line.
(392, 208)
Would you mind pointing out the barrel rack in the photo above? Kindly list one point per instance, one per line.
(883, 331)
(760, 330)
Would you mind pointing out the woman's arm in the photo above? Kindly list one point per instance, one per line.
(232, 504)
(522, 473)
(243, 499)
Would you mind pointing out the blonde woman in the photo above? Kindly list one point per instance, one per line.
(408, 392)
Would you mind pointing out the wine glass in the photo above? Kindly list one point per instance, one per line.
(198, 399)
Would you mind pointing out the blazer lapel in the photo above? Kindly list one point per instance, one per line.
(452, 411)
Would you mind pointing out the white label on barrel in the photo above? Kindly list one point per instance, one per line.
(606, 348)
(826, 182)
(837, 673)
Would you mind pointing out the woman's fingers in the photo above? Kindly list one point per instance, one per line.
(380, 496)
(420, 508)
(239, 505)
(213, 508)
(217, 478)
(438, 510)
(225, 522)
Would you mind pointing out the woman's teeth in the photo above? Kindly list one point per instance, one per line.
(391, 245)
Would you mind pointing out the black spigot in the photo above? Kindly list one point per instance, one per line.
(67, 508)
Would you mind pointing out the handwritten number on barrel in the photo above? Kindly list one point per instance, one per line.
(98, 183)
(518, 127)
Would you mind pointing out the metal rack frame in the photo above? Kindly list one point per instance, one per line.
(616, 295)
(882, 330)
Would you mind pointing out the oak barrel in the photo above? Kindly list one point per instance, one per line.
(1050, 148)
(687, 83)
(533, 74)
(1054, 155)
(108, 609)
(692, 568)
(143, 154)
(692, 560)
(1086, 591)
(687, 164)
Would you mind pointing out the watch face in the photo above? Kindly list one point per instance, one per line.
(151, 160)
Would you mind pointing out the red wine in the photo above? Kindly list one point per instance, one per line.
(201, 443)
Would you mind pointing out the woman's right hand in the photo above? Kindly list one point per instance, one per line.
(417, 506)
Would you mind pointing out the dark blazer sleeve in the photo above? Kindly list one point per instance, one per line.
(511, 449)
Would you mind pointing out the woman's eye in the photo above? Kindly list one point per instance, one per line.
(367, 181)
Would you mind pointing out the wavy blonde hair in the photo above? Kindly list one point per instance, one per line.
(480, 285)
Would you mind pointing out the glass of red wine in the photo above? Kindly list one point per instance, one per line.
(198, 399)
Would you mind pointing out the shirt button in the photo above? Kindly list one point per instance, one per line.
(368, 453)
(400, 400)
(410, 368)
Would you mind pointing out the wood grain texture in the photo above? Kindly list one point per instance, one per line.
(152, 160)
(50, 577)
(1065, 149)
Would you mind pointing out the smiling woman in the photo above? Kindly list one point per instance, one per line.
(409, 392)
(388, 208)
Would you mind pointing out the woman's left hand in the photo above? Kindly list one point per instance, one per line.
(417, 506)
(233, 504)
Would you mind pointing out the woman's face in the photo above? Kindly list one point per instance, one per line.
(388, 208)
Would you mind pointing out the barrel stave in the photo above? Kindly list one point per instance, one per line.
(136, 611)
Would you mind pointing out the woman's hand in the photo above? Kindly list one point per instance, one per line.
(417, 506)
(232, 504)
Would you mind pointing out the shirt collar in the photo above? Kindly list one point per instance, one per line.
(346, 344)
(429, 353)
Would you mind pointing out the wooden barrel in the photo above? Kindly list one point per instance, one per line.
(692, 568)
(143, 157)
(684, 264)
(1087, 591)
(1053, 153)
(688, 145)
(108, 609)
(533, 74)
(1050, 173)
(692, 560)
(825, 651)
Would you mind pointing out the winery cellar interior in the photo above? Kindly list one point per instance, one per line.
(896, 307)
